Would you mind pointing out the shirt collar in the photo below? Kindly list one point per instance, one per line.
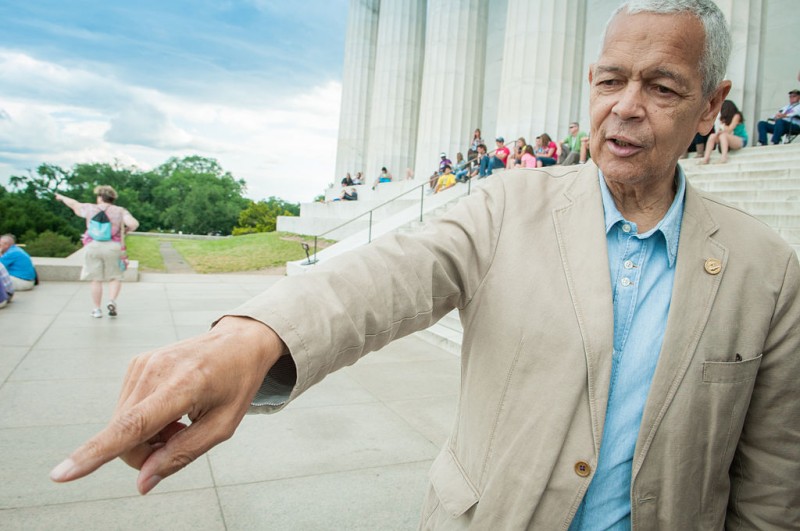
(670, 224)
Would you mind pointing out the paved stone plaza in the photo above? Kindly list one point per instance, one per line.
(353, 453)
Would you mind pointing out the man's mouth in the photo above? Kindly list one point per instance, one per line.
(623, 147)
(624, 142)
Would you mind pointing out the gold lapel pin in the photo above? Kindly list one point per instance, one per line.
(713, 266)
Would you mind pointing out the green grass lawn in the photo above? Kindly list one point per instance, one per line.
(243, 253)
(145, 249)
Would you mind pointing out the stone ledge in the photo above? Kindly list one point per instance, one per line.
(69, 269)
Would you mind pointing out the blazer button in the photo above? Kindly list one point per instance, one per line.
(583, 469)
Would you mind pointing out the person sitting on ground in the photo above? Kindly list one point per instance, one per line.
(785, 121)
(476, 141)
(496, 161)
(347, 181)
(348, 194)
(461, 168)
(478, 163)
(443, 161)
(384, 177)
(18, 263)
(571, 146)
(446, 180)
(6, 286)
(528, 158)
(409, 174)
(359, 179)
(733, 135)
(515, 160)
(698, 145)
(103, 246)
(548, 154)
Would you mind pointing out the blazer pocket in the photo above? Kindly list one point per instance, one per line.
(453, 488)
(731, 371)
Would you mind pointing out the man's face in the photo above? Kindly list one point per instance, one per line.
(5, 243)
(573, 129)
(794, 98)
(646, 99)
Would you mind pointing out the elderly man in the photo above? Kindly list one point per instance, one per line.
(630, 351)
(18, 263)
(785, 121)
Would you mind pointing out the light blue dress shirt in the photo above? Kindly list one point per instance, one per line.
(642, 270)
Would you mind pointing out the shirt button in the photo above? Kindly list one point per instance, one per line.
(628, 264)
(626, 227)
(626, 282)
(583, 469)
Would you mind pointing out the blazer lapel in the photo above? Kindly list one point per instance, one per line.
(693, 296)
(580, 229)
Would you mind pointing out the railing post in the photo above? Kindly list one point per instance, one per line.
(469, 185)
(370, 227)
(315, 249)
(421, 201)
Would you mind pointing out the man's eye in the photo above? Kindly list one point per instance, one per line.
(608, 82)
(661, 89)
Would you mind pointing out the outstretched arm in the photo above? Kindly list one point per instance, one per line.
(76, 206)
(210, 378)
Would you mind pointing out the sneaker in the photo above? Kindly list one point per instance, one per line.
(96, 313)
(112, 308)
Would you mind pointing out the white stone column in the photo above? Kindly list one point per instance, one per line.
(495, 37)
(744, 68)
(542, 74)
(357, 77)
(452, 81)
(396, 87)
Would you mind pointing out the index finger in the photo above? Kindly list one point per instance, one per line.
(126, 430)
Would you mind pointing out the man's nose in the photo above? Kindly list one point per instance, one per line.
(630, 102)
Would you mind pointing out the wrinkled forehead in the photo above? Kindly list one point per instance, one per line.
(652, 40)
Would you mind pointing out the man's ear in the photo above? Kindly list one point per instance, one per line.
(713, 106)
(591, 72)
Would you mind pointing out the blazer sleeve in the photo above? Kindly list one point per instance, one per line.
(765, 472)
(358, 302)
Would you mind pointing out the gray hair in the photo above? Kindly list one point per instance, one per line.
(717, 45)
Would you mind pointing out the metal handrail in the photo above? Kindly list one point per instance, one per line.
(421, 187)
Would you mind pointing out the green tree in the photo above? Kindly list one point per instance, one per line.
(24, 214)
(262, 216)
(197, 196)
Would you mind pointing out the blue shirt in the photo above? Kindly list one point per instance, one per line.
(642, 270)
(18, 263)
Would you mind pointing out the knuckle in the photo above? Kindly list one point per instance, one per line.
(181, 459)
(131, 425)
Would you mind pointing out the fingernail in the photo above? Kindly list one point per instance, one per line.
(150, 483)
(62, 471)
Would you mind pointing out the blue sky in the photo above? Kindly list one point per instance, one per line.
(255, 84)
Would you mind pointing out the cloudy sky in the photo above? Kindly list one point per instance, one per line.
(255, 84)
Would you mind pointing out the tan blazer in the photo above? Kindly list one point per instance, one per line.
(525, 261)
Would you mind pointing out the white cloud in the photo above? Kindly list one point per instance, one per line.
(64, 115)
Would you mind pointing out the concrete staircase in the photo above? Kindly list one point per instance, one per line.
(763, 181)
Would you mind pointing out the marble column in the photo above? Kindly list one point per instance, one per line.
(495, 37)
(396, 87)
(745, 24)
(357, 78)
(542, 76)
(452, 81)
